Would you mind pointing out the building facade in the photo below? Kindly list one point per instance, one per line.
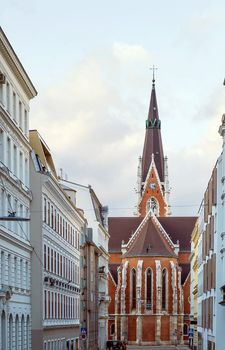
(207, 267)
(149, 255)
(16, 90)
(96, 241)
(56, 227)
(194, 288)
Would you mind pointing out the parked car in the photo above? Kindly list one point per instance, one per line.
(116, 345)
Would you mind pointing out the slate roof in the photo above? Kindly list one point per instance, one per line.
(150, 241)
(153, 142)
(184, 272)
(121, 228)
(113, 271)
(178, 228)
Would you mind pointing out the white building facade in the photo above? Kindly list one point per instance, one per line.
(56, 228)
(96, 216)
(16, 90)
(220, 247)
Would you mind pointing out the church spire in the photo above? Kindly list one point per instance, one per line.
(153, 140)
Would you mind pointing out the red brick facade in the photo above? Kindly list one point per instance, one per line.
(149, 256)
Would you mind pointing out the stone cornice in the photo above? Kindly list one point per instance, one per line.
(13, 239)
(8, 124)
(16, 66)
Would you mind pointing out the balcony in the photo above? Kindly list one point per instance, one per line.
(61, 323)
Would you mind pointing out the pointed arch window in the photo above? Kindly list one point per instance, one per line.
(164, 288)
(3, 330)
(133, 289)
(153, 204)
(149, 290)
(112, 329)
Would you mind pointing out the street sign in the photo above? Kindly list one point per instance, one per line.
(191, 333)
(83, 330)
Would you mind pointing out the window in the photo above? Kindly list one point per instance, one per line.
(10, 330)
(26, 172)
(149, 277)
(1, 93)
(57, 225)
(45, 257)
(164, 287)
(27, 332)
(27, 276)
(45, 209)
(15, 226)
(48, 268)
(55, 220)
(21, 166)
(153, 204)
(1, 145)
(51, 269)
(9, 270)
(8, 153)
(3, 330)
(133, 289)
(20, 114)
(54, 261)
(3, 267)
(52, 218)
(48, 214)
(14, 106)
(22, 332)
(15, 160)
(45, 303)
(8, 97)
(185, 329)
(16, 333)
(49, 305)
(25, 123)
(112, 329)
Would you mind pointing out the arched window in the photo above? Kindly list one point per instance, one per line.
(153, 204)
(28, 332)
(112, 329)
(17, 333)
(3, 330)
(133, 289)
(22, 332)
(10, 331)
(149, 277)
(164, 288)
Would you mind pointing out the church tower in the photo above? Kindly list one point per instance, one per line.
(153, 183)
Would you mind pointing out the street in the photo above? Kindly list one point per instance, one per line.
(134, 347)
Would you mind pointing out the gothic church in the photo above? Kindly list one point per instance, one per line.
(149, 279)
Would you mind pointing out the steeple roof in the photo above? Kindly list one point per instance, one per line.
(153, 140)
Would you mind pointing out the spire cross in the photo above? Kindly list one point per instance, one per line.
(153, 68)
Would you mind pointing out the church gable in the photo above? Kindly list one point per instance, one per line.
(150, 239)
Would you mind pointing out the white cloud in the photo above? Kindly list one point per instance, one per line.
(126, 53)
(96, 131)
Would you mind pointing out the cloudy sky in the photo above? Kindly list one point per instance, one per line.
(89, 61)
